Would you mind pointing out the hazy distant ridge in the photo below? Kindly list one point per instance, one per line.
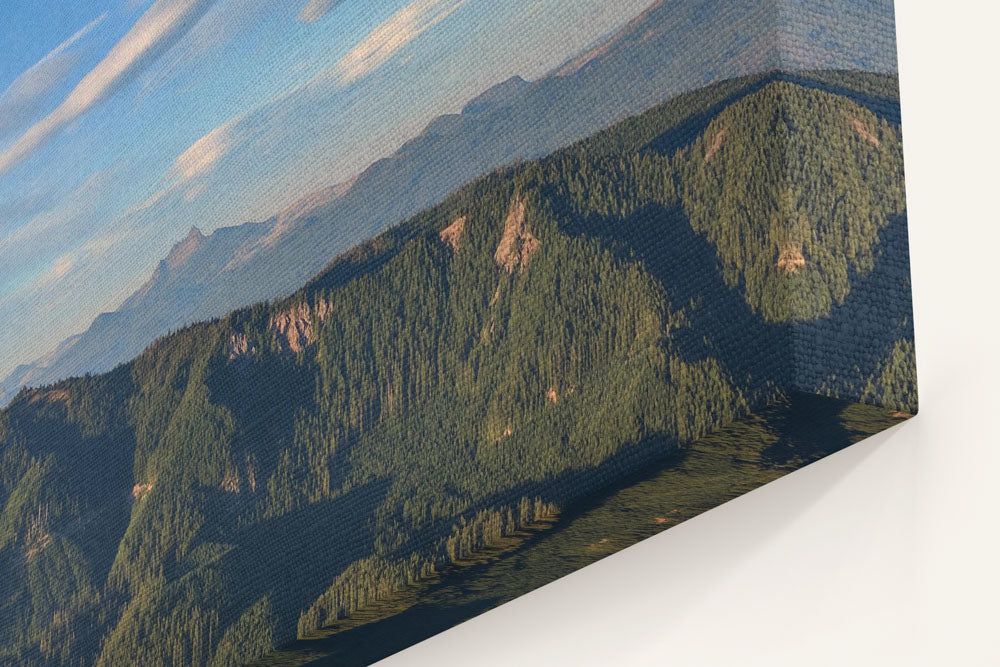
(658, 54)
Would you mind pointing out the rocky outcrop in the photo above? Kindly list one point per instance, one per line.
(239, 346)
(51, 396)
(452, 234)
(517, 244)
(252, 472)
(37, 536)
(296, 327)
(716, 144)
(790, 258)
(235, 484)
(140, 490)
(231, 482)
(865, 133)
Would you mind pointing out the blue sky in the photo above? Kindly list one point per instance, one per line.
(124, 122)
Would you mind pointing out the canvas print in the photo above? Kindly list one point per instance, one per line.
(330, 324)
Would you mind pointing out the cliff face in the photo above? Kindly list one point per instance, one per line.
(517, 244)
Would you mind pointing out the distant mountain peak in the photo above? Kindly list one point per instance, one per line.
(294, 214)
(495, 95)
(652, 58)
(182, 251)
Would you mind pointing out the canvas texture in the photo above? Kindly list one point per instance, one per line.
(331, 324)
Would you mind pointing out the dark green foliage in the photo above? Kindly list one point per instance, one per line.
(248, 638)
(795, 198)
(895, 383)
(262, 474)
(727, 463)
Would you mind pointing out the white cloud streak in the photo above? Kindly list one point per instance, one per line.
(155, 32)
(47, 232)
(203, 154)
(377, 48)
(391, 36)
(23, 100)
(198, 159)
(317, 9)
(76, 37)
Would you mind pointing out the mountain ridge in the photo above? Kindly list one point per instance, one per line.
(425, 394)
(646, 61)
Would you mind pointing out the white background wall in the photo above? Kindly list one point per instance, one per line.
(885, 554)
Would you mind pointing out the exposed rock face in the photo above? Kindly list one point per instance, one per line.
(252, 472)
(298, 325)
(51, 396)
(716, 144)
(38, 536)
(239, 346)
(517, 245)
(865, 133)
(552, 395)
(234, 483)
(453, 233)
(231, 483)
(790, 259)
(140, 490)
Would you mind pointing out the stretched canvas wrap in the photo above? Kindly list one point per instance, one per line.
(330, 324)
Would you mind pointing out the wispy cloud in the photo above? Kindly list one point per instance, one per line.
(257, 124)
(391, 36)
(156, 31)
(317, 9)
(219, 26)
(24, 99)
(198, 159)
(203, 154)
(47, 232)
(61, 266)
(75, 37)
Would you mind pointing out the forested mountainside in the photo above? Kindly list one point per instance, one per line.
(541, 331)
(654, 57)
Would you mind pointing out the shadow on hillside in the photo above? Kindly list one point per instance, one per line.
(806, 428)
(92, 476)
(722, 324)
(810, 428)
(684, 132)
(843, 350)
(264, 394)
(297, 556)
